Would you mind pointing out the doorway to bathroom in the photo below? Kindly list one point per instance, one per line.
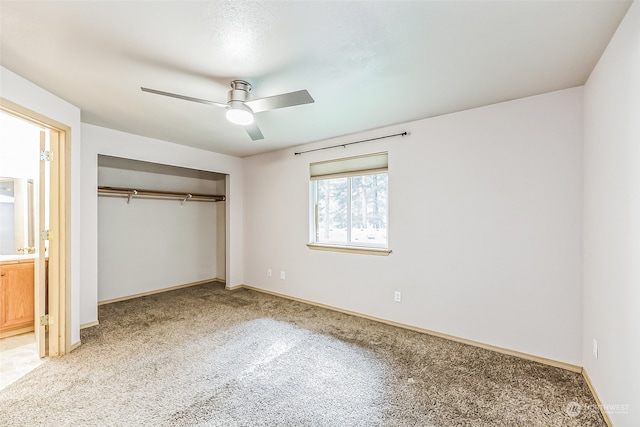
(33, 233)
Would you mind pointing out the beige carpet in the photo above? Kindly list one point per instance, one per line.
(205, 356)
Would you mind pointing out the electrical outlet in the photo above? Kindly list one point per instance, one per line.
(269, 273)
(398, 296)
(595, 348)
(282, 275)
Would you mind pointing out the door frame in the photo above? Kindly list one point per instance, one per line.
(60, 216)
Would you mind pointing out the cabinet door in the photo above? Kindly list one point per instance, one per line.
(16, 298)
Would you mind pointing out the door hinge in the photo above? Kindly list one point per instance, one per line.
(46, 156)
(44, 320)
(46, 235)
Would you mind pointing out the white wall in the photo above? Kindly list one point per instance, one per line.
(19, 148)
(152, 244)
(19, 158)
(485, 227)
(221, 238)
(98, 140)
(612, 223)
(20, 91)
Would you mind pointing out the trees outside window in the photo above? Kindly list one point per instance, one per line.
(352, 210)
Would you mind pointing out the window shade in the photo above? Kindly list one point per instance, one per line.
(350, 166)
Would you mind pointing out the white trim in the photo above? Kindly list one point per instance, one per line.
(74, 346)
(156, 291)
(89, 324)
(531, 357)
(351, 249)
(601, 407)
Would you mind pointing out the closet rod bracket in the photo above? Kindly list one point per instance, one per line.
(133, 193)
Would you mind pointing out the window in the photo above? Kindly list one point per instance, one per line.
(349, 203)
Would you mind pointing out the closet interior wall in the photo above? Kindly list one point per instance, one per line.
(148, 244)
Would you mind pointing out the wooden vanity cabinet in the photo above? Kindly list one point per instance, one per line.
(16, 296)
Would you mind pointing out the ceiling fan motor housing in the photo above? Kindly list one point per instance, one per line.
(239, 113)
(239, 92)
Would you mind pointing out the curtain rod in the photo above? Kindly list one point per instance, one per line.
(350, 143)
(132, 192)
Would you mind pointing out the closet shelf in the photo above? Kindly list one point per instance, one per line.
(130, 193)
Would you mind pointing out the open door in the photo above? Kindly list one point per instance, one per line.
(40, 320)
(56, 242)
(51, 293)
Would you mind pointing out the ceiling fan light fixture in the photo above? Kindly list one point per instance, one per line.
(239, 114)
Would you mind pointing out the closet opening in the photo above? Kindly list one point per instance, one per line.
(160, 227)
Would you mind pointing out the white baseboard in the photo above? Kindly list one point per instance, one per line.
(157, 291)
(74, 346)
(597, 399)
(543, 360)
(89, 324)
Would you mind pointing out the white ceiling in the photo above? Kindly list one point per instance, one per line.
(368, 64)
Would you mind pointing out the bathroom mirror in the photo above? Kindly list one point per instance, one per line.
(17, 201)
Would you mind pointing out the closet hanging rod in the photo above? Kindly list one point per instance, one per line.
(183, 196)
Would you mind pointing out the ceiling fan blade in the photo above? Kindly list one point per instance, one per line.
(254, 131)
(279, 101)
(186, 98)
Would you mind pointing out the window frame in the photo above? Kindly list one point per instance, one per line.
(314, 229)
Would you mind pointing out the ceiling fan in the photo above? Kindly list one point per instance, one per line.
(241, 108)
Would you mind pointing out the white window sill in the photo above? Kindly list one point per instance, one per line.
(350, 249)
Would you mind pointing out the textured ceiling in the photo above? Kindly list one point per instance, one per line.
(368, 64)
